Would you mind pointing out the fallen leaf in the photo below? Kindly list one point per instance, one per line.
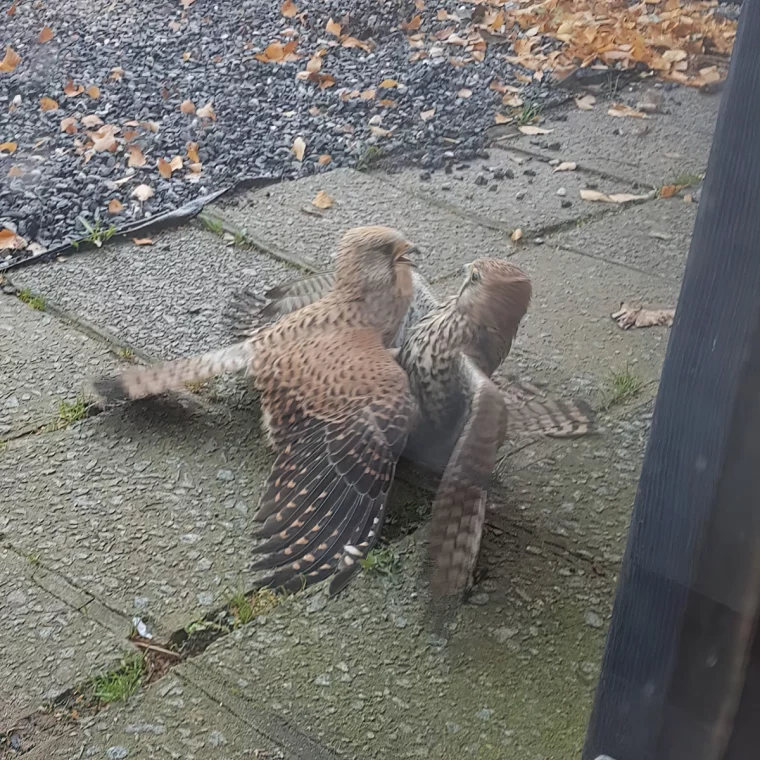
(150, 125)
(71, 90)
(186, 3)
(621, 110)
(115, 206)
(595, 195)
(299, 148)
(12, 10)
(387, 84)
(322, 200)
(164, 168)
(192, 152)
(11, 59)
(380, 132)
(530, 130)
(353, 42)
(501, 118)
(516, 235)
(176, 163)
(324, 159)
(9, 239)
(566, 166)
(709, 74)
(196, 168)
(93, 91)
(117, 72)
(143, 192)
(136, 157)
(105, 139)
(514, 101)
(15, 171)
(48, 104)
(668, 191)
(8, 147)
(464, 93)
(688, 198)
(368, 94)
(387, 103)
(288, 9)
(274, 52)
(427, 115)
(91, 121)
(637, 316)
(586, 103)
(142, 241)
(45, 35)
(333, 28)
(412, 25)
(207, 111)
(314, 64)
(187, 106)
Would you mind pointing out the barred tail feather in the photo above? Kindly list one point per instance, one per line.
(141, 382)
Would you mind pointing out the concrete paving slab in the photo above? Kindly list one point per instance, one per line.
(49, 364)
(653, 237)
(49, 641)
(166, 299)
(530, 196)
(283, 219)
(147, 508)
(652, 152)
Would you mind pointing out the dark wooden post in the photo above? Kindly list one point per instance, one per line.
(684, 618)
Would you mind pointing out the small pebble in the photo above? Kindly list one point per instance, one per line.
(562, 192)
(480, 179)
(566, 203)
(425, 176)
(520, 195)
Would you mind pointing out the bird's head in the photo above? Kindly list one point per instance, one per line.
(494, 294)
(377, 258)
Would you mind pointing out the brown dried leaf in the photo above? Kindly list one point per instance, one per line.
(69, 125)
(207, 111)
(15, 171)
(176, 163)
(368, 94)
(45, 35)
(501, 118)
(187, 107)
(387, 84)
(143, 192)
(637, 316)
(516, 235)
(621, 110)
(71, 90)
(164, 168)
(586, 103)
(117, 72)
(48, 104)
(186, 3)
(91, 121)
(566, 166)
(333, 28)
(464, 93)
(412, 25)
(115, 206)
(196, 168)
(8, 147)
(387, 103)
(93, 91)
(353, 42)
(288, 9)
(595, 195)
(299, 148)
(514, 101)
(10, 240)
(12, 10)
(11, 59)
(142, 241)
(380, 132)
(314, 64)
(192, 152)
(322, 200)
(136, 157)
(324, 159)
(531, 130)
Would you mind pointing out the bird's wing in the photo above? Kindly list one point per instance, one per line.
(247, 312)
(460, 502)
(529, 412)
(340, 425)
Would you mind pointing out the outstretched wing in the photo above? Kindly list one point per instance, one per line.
(460, 503)
(326, 496)
(531, 413)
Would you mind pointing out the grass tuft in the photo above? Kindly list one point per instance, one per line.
(31, 300)
(120, 684)
(623, 386)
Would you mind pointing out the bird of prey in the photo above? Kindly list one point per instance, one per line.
(337, 407)
(449, 351)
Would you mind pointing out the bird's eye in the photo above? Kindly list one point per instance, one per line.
(475, 276)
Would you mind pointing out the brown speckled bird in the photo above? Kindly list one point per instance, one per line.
(449, 352)
(337, 407)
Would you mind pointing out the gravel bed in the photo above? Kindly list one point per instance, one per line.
(147, 57)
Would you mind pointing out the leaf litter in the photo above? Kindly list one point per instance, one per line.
(629, 316)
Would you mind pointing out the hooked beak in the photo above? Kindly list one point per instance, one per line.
(404, 257)
(467, 271)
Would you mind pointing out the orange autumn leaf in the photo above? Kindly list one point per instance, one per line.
(164, 168)
(142, 241)
(288, 9)
(48, 104)
(45, 35)
(136, 156)
(71, 90)
(10, 240)
(11, 59)
(192, 152)
(115, 206)
(8, 147)
(15, 171)
(412, 25)
(93, 91)
(207, 112)
(187, 106)
(69, 125)
(333, 28)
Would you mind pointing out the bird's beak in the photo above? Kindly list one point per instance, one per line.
(404, 257)
(467, 271)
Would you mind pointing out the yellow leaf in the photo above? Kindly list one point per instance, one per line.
(71, 90)
(115, 206)
(299, 148)
(11, 59)
(192, 152)
(136, 157)
(586, 103)
(187, 106)
(516, 235)
(387, 84)
(48, 104)
(464, 93)
(143, 192)
(427, 115)
(530, 130)
(9, 239)
(322, 200)
(93, 91)
(207, 111)
(8, 147)
(566, 166)
(288, 9)
(142, 241)
(333, 28)
(324, 159)
(45, 35)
